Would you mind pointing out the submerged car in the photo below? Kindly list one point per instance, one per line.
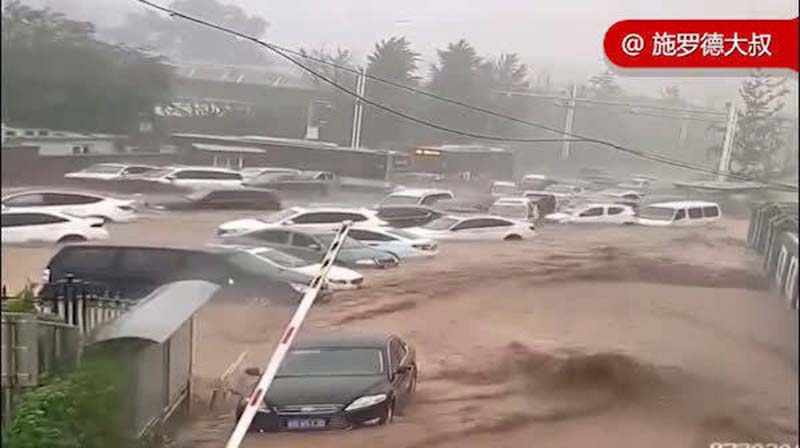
(337, 382)
(241, 199)
(597, 213)
(473, 228)
(311, 245)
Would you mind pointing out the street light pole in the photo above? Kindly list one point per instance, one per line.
(358, 109)
(568, 122)
(727, 143)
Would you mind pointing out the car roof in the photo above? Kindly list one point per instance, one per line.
(343, 340)
(56, 191)
(419, 192)
(503, 183)
(683, 204)
(365, 211)
(471, 216)
(199, 168)
(512, 200)
(118, 246)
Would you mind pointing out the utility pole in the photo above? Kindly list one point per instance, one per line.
(684, 130)
(568, 122)
(358, 109)
(727, 143)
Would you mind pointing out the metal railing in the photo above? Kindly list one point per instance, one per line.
(81, 304)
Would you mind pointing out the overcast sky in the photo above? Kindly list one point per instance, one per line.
(562, 37)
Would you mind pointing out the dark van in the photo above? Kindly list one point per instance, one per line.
(135, 271)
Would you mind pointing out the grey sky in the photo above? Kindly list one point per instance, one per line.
(563, 37)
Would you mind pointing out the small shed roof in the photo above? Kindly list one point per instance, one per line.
(227, 148)
(160, 314)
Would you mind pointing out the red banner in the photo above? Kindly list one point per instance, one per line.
(703, 44)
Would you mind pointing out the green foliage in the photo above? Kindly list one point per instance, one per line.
(188, 42)
(80, 409)
(760, 136)
(57, 74)
(604, 85)
(21, 302)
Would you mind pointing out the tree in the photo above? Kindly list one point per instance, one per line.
(330, 66)
(759, 139)
(190, 42)
(56, 74)
(462, 75)
(507, 75)
(392, 60)
(604, 85)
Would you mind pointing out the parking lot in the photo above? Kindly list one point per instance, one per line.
(668, 336)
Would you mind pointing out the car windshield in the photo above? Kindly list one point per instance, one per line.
(513, 211)
(657, 213)
(349, 243)
(332, 362)
(103, 169)
(440, 224)
(504, 189)
(277, 216)
(397, 199)
(561, 188)
(154, 174)
(281, 259)
(250, 263)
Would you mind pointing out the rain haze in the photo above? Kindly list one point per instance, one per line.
(562, 38)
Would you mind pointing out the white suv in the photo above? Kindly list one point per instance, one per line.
(309, 218)
(196, 177)
(75, 203)
(24, 226)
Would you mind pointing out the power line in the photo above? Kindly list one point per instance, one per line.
(285, 53)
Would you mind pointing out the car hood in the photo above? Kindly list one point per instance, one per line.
(352, 255)
(241, 224)
(336, 272)
(322, 389)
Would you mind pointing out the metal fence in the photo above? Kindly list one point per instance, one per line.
(50, 336)
(773, 233)
(81, 304)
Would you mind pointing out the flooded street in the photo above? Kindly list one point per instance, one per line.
(584, 336)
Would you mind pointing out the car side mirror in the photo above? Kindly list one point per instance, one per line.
(170, 178)
(252, 371)
(288, 222)
(402, 370)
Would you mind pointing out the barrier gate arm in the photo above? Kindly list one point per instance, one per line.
(310, 295)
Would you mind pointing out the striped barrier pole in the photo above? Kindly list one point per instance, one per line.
(253, 402)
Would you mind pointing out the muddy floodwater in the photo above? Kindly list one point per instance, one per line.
(582, 337)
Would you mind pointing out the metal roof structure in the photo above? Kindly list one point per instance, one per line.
(159, 315)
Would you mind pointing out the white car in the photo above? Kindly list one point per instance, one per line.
(565, 188)
(255, 171)
(679, 213)
(416, 196)
(515, 207)
(195, 177)
(339, 278)
(595, 213)
(398, 242)
(303, 218)
(22, 226)
(110, 171)
(503, 188)
(75, 203)
(471, 228)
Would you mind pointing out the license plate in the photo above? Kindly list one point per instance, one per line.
(306, 423)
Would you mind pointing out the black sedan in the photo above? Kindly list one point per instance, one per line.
(338, 382)
(234, 199)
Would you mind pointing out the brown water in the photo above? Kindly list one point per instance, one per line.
(601, 337)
